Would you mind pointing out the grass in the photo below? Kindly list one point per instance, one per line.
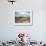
(22, 19)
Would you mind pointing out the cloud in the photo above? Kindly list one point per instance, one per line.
(27, 13)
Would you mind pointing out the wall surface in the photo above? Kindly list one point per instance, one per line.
(8, 31)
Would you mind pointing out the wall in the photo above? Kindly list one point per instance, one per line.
(9, 31)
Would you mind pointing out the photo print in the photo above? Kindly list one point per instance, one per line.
(23, 17)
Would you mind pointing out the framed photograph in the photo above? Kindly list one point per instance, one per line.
(23, 17)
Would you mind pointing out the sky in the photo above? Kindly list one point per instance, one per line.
(22, 13)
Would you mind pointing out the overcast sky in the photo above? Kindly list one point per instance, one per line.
(23, 13)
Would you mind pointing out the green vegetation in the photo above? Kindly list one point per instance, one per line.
(22, 19)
